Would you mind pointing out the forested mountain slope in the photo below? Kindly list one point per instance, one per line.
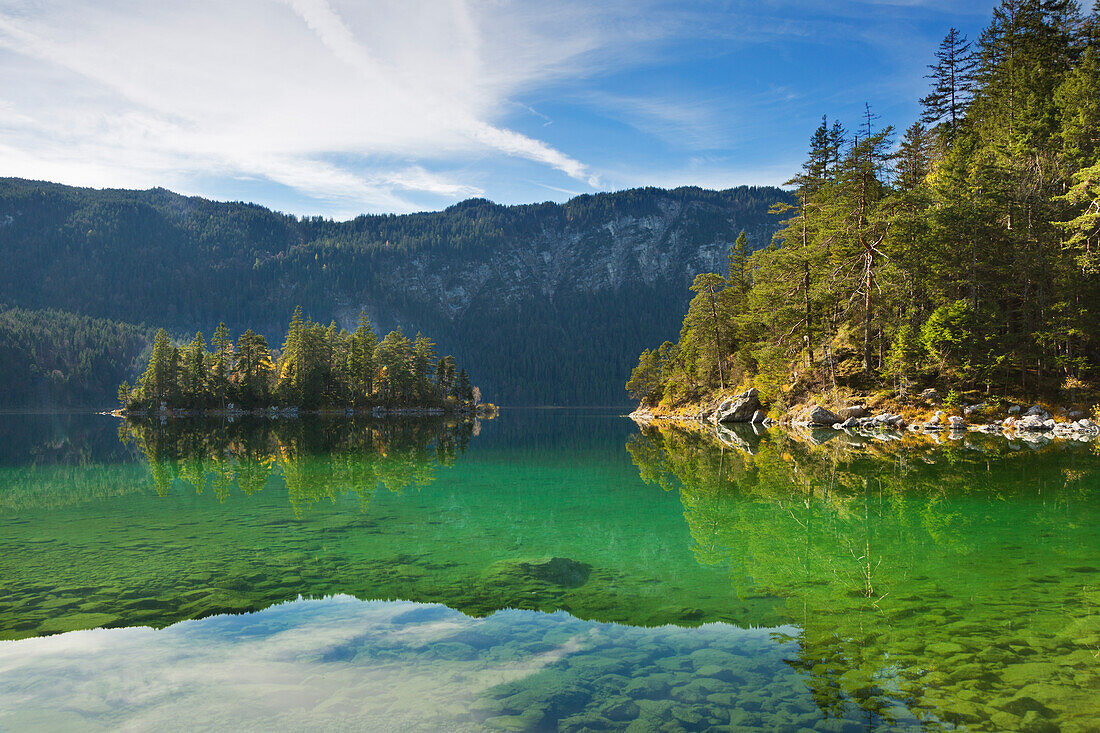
(545, 303)
(56, 360)
(964, 256)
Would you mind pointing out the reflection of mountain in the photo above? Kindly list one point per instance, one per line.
(955, 583)
(317, 459)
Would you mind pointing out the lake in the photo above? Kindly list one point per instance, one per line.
(546, 570)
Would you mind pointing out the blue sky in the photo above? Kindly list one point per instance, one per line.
(338, 108)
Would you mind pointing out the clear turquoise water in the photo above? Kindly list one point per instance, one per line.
(547, 570)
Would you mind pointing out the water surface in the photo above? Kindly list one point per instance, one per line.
(546, 570)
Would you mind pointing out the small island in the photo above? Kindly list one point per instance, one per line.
(319, 369)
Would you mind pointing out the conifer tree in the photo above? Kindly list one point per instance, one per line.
(360, 360)
(423, 363)
(952, 83)
(158, 383)
(739, 264)
(445, 376)
(253, 369)
(708, 286)
(464, 390)
(222, 364)
(194, 371)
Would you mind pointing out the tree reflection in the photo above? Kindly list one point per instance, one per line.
(903, 561)
(317, 459)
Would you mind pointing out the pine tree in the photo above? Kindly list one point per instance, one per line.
(445, 376)
(158, 383)
(290, 358)
(222, 364)
(739, 263)
(253, 369)
(423, 362)
(858, 222)
(1084, 228)
(464, 390)
(392, 358)
(952, 83)
(708, 286)
(360, 359)
(194, 372)
(913, 163)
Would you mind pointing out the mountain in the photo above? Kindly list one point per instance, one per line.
(57, 360)
(545, 303)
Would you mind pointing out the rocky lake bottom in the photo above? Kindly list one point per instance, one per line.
(548, 570)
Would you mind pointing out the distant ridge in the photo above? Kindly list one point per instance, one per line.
(546, 303)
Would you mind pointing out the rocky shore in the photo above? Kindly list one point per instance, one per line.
(1032, 424)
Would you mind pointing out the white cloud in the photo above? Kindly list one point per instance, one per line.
(392, 105)
(346, 103)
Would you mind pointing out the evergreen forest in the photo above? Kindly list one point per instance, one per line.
(962, 254)
(317, 367)
(59, 360)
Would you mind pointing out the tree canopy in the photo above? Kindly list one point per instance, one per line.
(316, 367)
(964, 254)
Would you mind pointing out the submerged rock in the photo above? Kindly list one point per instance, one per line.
(560, 571)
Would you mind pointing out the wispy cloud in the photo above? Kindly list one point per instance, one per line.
(141, 94)
(400, 105)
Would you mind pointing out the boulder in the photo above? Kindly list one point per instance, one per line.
(1075, 414)
(820, 416)
(973, 410)
(852, 422)
(1032, 423)
(1014, 409)
(739, 409)
(758, 417)
(852, 411)
(930, 395)
(956, 422)
(1039, 412)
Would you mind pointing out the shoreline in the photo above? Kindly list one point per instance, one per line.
(1030, 425)
(481, 411)
(748, 438)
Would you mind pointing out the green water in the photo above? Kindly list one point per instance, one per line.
(546, 570)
